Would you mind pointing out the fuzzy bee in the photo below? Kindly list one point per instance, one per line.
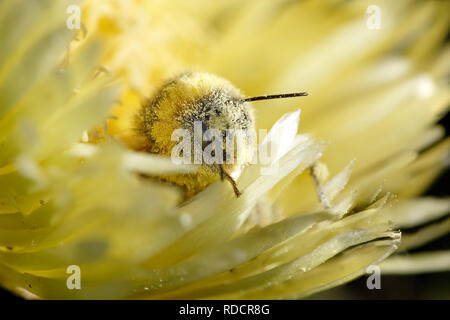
(212, 102)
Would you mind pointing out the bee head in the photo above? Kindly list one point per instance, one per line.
(224, 115)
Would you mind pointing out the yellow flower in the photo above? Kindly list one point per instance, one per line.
(369, 123)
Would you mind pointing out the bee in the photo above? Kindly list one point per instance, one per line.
(214, 103)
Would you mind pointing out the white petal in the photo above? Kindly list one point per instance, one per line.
(280, 138)
(335, 185)
(437, 261)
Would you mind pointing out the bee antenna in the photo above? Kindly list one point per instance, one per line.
(275, 96)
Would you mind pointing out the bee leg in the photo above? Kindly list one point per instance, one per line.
(318, 185)
(224, 174)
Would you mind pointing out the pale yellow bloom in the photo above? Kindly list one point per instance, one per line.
(367, 131)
